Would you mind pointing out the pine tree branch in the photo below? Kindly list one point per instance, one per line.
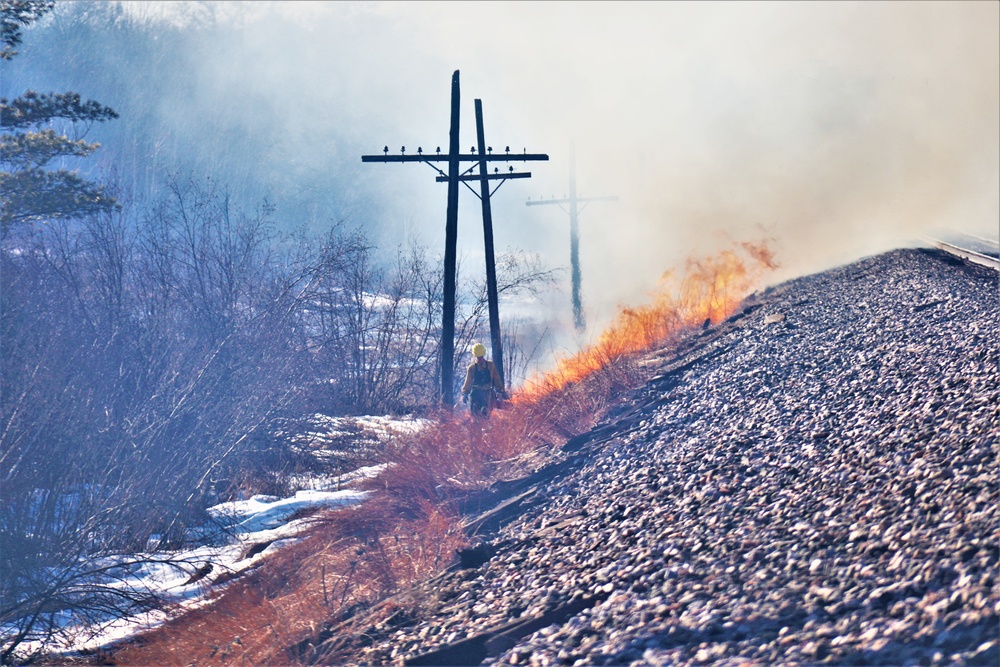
(17, 14)
(36, 149)
(33, 109)
(35, 194)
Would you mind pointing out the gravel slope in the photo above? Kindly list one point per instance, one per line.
(814, 481)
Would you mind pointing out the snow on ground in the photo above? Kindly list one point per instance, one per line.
(262, 513)
(320, 482)
(333, 439)
(259, 525)
(182, 578)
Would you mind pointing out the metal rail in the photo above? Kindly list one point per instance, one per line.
(965, 253)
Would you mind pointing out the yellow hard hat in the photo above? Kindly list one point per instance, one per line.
(479, 350)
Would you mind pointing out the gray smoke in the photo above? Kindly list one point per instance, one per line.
(839, 129)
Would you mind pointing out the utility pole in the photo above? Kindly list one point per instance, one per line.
(447, 362)
(492, 297)
(453, 177)
(574, 234)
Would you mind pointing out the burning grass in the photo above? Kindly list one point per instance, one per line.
(709, 290)
(355, 558)
(461, 453)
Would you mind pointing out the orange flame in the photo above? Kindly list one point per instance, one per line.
(710, 289)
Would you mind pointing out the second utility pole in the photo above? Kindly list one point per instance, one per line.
(574, 234)
(492, 297)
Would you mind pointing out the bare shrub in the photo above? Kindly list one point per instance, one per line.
(143, 361)
(154, 360)
(374, 329)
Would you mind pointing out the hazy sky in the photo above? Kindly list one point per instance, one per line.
(840, 129)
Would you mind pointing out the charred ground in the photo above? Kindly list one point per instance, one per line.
(812, 481)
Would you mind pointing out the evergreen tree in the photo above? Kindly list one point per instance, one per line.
(14, 15)
(28, 144)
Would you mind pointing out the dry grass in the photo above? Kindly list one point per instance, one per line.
(352, 559)
(459, 453)
(456, 453)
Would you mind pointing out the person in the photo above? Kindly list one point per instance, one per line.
(482, 384)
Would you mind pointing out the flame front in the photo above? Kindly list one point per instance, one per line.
(709, 290)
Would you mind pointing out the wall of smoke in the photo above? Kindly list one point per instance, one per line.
(837, 129)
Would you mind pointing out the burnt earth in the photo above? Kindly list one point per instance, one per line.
(814, 488)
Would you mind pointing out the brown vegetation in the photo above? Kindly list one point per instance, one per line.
(154, 362)
(350, 559)
(409, 529)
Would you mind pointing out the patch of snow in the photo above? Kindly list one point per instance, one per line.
(183, 578)
(335, 482)
(171, 576)
(261, 512)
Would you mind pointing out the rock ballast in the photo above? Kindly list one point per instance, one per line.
(819, 487)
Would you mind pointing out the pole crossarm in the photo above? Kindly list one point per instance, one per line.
(491, 177)
(454, 176)
(474, 158)
(462, 157)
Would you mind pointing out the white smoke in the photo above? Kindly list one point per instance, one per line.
(840, 129)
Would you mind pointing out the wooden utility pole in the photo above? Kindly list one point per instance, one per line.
(447, 361)
(574, 235)
(454, 177)
(492, 297)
